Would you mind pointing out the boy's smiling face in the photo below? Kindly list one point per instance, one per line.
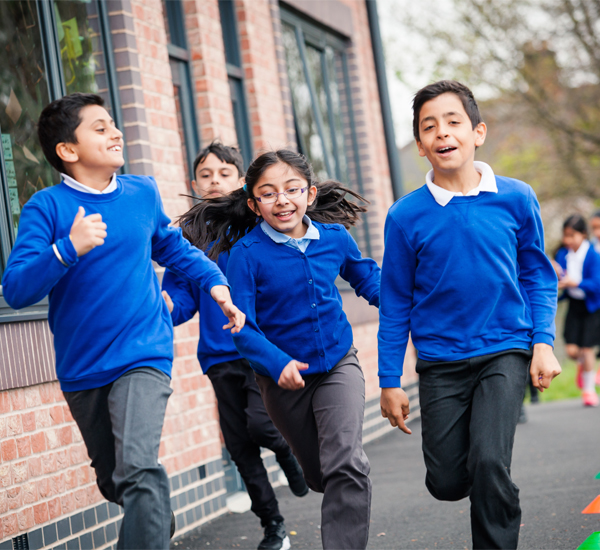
(99, 147)
(215, 178)
(446, 135)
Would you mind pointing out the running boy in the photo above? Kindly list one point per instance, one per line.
(464, 271)
(245, 424)
(113, 335)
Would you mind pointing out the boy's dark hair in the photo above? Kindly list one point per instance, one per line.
(443, 87)
(58, 122)
(576, 222)
(225, 220)
(225, 153)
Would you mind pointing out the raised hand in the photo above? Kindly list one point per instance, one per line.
(87, 232)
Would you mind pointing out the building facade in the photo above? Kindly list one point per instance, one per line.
(175, 74)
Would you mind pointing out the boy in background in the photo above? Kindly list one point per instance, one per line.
(464, 271)
(113, 334)
(245, 424)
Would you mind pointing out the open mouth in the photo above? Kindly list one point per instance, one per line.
(284, 216)
(115, 148)
(445, 150)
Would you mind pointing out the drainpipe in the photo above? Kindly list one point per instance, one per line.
(384, 99)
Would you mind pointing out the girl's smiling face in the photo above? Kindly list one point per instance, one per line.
(284, 214)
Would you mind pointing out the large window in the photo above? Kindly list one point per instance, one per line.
(182, 85)
(50, 48)
(317, 69)
(235, 74)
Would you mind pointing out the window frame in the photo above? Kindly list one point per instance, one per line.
(320, 37)
(56, 89)
(235, 75)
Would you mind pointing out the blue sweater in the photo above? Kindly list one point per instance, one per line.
(106, 310)
(292, 305)
(590, 283)
(215, 345)
(467, 279)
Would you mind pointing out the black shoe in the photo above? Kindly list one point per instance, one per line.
(172, 524)
(535, 398)
(294, 475)
(275, 537)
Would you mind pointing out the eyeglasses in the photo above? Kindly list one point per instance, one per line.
(271, 197)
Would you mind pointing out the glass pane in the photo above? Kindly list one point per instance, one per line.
(23, 95)
(312, 145)
(315, 62)
(228, 28)
(81, 47)
(176, 70)
(339, 111)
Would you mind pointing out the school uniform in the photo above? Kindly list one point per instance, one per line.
(582, 323)
(113, 335)
(244, 422)
(468, 278)
(293, 310)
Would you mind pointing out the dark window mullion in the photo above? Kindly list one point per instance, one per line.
(313, 98)
(188, 117)
(7, 237)
(51, 49)
(355, 148)
(332, 127)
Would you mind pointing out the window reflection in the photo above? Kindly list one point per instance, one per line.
(23, 95)
(81, 48)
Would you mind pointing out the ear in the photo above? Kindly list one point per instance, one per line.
(241, 182)
(420, 148)
(195, 187)
(480, 133)
(67, 152)
(254, 207)
(312, 194)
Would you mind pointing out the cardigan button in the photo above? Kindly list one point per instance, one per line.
(313, 306)
(310, 281)
(317, 329)
(322, 354)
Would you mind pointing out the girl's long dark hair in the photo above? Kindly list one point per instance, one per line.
(225, 220)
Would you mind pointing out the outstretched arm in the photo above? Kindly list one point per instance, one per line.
(539, 280)
(363, 274)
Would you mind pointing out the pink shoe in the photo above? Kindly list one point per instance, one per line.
(598, 377)
(590, 399)
(579, 377)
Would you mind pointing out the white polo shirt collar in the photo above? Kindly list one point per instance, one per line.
(443, 196)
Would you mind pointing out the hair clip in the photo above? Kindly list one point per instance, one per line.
(245, 188)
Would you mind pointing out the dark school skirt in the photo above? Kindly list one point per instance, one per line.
(582, 328)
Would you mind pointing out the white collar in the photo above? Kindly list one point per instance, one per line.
(312, 233)
(74, 184)
(581, 253)
(443, 196)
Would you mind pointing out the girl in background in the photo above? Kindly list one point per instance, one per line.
(579, 275)
(289, 243)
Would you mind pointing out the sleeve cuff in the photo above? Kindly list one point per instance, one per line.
(216, 280)
(389, 382)
(67, 252)
(542, 338)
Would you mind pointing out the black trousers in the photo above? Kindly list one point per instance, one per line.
(246, 428)
(469, 414)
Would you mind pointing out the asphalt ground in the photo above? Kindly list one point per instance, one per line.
(555, 461)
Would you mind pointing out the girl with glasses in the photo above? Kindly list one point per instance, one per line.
(289, 242)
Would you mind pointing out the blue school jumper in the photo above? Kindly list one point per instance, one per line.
(106, 312)
(467, 279)
(215, 345)
(292, 305)
(590, 282)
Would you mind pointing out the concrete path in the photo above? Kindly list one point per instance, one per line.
(556, 457)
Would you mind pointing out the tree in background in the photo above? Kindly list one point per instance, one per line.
(536, 63)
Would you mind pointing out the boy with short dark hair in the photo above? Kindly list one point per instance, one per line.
(113, 334)
(245, 424)
(464, 271)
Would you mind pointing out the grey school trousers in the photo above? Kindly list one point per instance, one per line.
(121, 424)
(323, 424)
(469, 413)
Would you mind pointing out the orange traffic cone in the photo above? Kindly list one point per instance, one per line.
(593, 507)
